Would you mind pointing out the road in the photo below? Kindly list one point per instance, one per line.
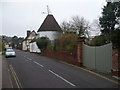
(29, 70)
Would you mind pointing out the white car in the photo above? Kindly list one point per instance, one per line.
(10, 52)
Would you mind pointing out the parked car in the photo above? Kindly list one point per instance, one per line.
(10, 52)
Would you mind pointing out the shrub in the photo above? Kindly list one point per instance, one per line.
(113, 37)
(66, 42)
(100, 40)
(42, 42)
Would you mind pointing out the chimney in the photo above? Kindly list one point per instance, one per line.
(28, 32)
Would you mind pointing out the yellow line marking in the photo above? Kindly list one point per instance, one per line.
(10, 78)
(113, 81)
(15, 77)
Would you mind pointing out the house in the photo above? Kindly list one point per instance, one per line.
(33, 46)
(49, 28)
(26, 42)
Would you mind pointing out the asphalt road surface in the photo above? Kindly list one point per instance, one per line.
(29, 70)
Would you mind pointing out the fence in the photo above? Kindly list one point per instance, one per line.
(98, 57)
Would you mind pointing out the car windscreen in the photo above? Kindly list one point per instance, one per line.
(9, 50)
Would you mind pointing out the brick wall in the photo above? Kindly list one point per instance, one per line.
(115, 59)
(115, 62)
(67, 56)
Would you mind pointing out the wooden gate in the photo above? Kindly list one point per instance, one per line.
(98, 57)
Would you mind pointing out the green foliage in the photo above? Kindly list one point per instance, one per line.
(17, 42)
(70, 32)
(3, 46)
(42, 42)
(66, 42)
(100, 40)
(50, 46)
(113, 37)
(109, 15)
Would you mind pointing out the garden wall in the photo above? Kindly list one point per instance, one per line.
(115, 62)
(67, 56)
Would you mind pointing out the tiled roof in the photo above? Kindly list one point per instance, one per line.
(49, 24)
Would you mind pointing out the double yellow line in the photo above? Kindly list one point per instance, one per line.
(15, 77)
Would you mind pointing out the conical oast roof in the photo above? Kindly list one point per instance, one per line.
(49, 24)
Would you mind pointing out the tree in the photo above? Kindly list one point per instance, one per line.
(66, 26)
(14, 41)
(17, 42)
(42, 43)
(81, 25)
(100, 40)
(108, 20)
(77, 24)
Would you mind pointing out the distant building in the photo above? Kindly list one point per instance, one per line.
(26, 42)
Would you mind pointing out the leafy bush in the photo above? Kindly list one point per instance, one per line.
(66, 42)
(42, 42)
(100, 40)
(113, 37)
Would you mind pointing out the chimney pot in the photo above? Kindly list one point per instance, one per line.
(28, 32)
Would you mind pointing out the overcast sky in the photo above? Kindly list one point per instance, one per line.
(18, 16)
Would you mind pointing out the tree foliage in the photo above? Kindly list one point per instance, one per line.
(109, 17)
(3, 45)
(17, 42)
(66, 42)
(113, 37)
(100, 40)
(108, 20)
(42, 42)
(77, 24)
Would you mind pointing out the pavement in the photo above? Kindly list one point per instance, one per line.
(7, 80)
(0, 72)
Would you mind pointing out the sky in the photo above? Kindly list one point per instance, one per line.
(18, 16)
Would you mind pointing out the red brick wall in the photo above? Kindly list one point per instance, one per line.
(115, 62)
(67, 56)
(115, 59)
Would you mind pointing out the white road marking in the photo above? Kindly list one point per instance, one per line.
(29, 58)
(38, 63)
(62, 78)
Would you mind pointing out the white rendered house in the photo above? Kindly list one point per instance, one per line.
(49, 28)
(26, 42)
(34, 48)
